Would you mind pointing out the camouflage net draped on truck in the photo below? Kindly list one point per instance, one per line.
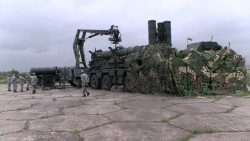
(160, 68)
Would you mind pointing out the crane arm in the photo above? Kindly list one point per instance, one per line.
(78, 45)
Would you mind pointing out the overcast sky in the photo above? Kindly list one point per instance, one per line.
(40, 33)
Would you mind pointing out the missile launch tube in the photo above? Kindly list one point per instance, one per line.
(117, 52)
(46, 70)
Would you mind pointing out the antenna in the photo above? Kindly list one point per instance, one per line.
(211, 38)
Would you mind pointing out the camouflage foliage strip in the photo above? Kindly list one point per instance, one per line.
(161, 69)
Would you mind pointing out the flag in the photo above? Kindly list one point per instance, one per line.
(188, 38)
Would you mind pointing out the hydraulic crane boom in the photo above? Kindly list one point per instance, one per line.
(78, 45)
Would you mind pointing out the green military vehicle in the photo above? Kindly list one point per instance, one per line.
(204, 67)
(108, 68)
(49, 76)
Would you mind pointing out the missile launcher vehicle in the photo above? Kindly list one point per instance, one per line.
(202, 68)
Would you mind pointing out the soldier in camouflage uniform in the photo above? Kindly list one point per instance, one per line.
(33, 81)
(13, 80)
(85, 81)
(27, 82)
(9, 82)
(22, 80)
(63, 78)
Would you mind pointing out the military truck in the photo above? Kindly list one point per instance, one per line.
(48, 76)
(157, 67)
(108, 68)
(204, 67)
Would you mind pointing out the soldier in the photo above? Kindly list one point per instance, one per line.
(63, 78)
(13, 80)
(85, 81)
(22, 80)
(62, 81)
(9, 82)
(33, 81)
(27, 82)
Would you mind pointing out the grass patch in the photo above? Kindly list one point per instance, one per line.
(76, 131)
(54, 99)
(196, 132)
(26, 125)
(22, 108)
(3, 79)
(92, 127)
(45, 117)
(115, 103)
(229, 110)
(173, 117)
(240, 93)
(217, 98)
(186, 137)
(248, 76)
(123, 108)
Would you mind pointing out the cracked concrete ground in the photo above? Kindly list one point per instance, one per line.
(63, 115)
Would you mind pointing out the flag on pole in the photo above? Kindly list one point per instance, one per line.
(189, 38)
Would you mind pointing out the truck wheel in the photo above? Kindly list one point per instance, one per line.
(48, 81)
(106, 82)
(95, 82)
(75, 83)
(39, 83)
(127, 84)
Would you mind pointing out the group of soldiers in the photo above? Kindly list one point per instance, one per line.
(29, 80)
(33, 81)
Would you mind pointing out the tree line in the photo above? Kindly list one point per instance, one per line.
(3, 75)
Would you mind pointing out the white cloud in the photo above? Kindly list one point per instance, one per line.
(44, 30)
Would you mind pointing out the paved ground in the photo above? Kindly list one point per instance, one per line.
(63, 115)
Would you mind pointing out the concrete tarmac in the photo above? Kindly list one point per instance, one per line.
(64, 115)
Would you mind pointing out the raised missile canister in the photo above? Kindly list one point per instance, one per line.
(116, 52)
(152, 34)
(160, 29)
(167, 32)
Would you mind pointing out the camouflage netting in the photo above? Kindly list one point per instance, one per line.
(161, 69)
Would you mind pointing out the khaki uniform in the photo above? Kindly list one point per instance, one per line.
(33, 81)
(27, 82)
(85, 81)
(63, 78)
(13, 80)
(9, 83)
(22, 80)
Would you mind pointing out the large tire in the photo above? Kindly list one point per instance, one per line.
(127, 84)
(95, 82)
(75, 83)
(107, 82)
(48, 81)
(40, 79)
(72, 84)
